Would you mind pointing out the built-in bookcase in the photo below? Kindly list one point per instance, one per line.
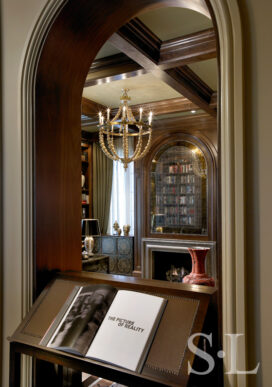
(86, 182)
(179, 190)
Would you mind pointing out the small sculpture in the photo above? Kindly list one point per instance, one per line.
(115, 228)
(126, 229)
(119, 231)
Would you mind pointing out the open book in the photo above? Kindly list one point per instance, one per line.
(106, 324)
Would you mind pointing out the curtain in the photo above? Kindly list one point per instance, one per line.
(122, 198)
(102, 186)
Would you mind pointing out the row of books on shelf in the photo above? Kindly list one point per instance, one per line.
(174, 179)
(176, 220)
(183, 189)
(180, 168)
(184, 210)
(178, 200)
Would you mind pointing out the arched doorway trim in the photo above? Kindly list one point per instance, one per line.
(232, 181)
(229, 27)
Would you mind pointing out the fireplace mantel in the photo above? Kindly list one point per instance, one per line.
(150, 245)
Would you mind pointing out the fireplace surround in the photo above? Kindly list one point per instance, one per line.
(152, 245)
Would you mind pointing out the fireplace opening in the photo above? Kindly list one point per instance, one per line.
(169, 266)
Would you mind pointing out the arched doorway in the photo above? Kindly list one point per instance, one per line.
(58, 114)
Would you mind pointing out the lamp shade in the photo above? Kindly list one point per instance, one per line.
(90, 227)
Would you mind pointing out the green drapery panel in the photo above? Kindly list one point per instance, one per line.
(102, 184)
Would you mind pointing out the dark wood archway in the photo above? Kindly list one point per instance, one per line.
(75, 37)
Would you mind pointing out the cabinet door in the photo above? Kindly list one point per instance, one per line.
(109, 247)
(125, 255)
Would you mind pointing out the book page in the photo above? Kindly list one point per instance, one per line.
(82, 320)
(126, 333)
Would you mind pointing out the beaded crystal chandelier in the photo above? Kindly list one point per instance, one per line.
(124, 126)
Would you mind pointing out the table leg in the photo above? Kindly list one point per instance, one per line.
(15, 367)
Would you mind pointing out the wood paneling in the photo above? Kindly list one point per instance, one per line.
(173, 105)
(166, 106)
(91, 108)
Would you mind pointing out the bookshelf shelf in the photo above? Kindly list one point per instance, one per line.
(86, 188)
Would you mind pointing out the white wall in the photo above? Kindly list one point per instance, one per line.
(18, 19)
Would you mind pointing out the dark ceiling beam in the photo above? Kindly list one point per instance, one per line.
(173, 53)
(142, 38)
(188, 49)
(130, 44)
(112, 68)
(191, 81)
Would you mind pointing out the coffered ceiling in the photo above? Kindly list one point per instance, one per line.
(165, 57)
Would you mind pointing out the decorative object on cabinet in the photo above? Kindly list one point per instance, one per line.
(178, 194)
(115, 228)
(125, 126)
(198, 274)
(126, 229)
(89, 229)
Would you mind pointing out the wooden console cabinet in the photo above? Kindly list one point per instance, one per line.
(120, 251)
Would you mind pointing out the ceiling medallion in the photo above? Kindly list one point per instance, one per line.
(124, 126)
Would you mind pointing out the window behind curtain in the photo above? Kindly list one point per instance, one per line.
(122, 195)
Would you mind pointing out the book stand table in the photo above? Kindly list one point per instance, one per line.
(167, 361)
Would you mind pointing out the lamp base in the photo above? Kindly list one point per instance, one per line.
(89, 245)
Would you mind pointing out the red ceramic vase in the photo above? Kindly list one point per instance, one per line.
(198, 275)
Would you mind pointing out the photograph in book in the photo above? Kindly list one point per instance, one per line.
(75, 329)
(111, 326)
